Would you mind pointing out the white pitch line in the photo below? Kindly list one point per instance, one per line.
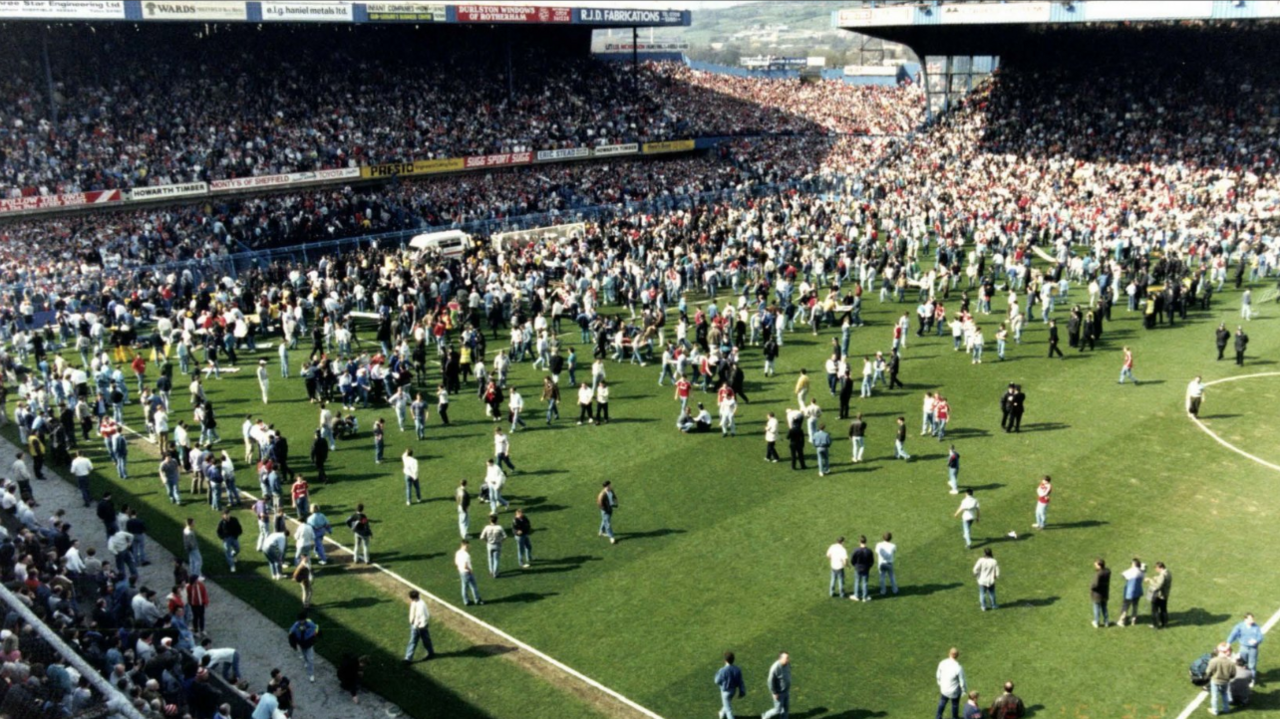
(1222, 441)
(1202, 696)
(475, 620)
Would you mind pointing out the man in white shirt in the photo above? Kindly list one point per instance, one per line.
(502, 449)
(970, 511)
(1195, 394)
(886, 555)
(494, 480)
(419, 618)
(839, 557)
(462, 560)
(951, 683)
(80, 468)
(516, 404)
(410, 476)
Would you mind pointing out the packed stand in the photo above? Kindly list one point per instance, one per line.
(175, 108)
(58, 253)
(765, 106)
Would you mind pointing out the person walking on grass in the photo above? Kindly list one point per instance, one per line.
(729, 680)
(953, 470)
(821, 440)
(1126, 368)
(521, 527)
(1043, 493)
(1195, 395)
(411, 484)
(303, 575)
(302, 638)
(771, 438)
(462, 560)
(191, 546)
(900, 441)
(969, 513)
(987, 571)
(838, 556)
(229, 531)
(493, 536)
(607, 501)
(779, 683)
(858, 437)
(951, 683)
(362, 533)
(502, 449)
(419, 628)
(1100, 593)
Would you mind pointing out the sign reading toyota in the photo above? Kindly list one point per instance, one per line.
(618, 16)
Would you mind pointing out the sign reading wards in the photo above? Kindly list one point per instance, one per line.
(190, 10)
(513, 13)
(621, 16)
(405, 12)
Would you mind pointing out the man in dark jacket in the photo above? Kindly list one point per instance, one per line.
(1053, 340)
(320, 455)
(1222, 337)
(1242, 342)
(1100, 592)
(795, 438)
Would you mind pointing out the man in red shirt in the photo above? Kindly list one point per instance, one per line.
(1126, 370)
(139, 366)
(1042, 502)
(683, 387)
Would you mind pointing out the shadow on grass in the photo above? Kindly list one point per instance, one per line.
(854, 714)
(1083, 524)
(924, 590)
(981, 487)
(398, 557)
(1033, 709)
(478, 651)
(1196, 617)
(538, 504)
(1220, 416)
(557, 566)
(522, 597)
(648, 535)
(540, 472)
(967, 432)
(1045, 427)
(1042, 602)
(356, 603)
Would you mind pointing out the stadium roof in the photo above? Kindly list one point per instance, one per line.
(336, 11)
(981, 27)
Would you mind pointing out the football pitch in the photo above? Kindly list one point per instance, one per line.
(720, 550)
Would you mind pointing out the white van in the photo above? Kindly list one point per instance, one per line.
(450, 243)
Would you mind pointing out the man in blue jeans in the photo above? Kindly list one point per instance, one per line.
(951, 683)
(887, 553)
(462, 560)
(1250, 637)
(419, 619)
(822, 442)
(607, 501)
(729, 679)
(839, 558)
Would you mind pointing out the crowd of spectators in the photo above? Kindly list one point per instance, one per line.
(156, 106)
